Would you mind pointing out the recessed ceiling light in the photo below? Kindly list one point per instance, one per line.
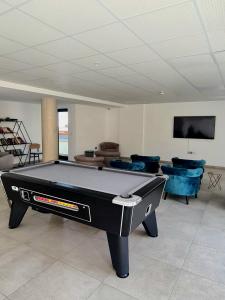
(97, 63)
(161, 93)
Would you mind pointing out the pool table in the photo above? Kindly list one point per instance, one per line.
(112, 200)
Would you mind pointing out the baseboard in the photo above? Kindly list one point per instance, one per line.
(206, 166)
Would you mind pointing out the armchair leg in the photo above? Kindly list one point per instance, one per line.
(187, 200)
(196, 196)
(165, 195)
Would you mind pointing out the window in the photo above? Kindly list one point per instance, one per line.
(63, 133)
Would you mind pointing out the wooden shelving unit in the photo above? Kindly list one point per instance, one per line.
(14, 139)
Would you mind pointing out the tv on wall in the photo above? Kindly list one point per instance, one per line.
(194, 127)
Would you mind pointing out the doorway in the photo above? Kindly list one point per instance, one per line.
(63, 133)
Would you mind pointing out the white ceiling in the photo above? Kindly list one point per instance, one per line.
(124, 51)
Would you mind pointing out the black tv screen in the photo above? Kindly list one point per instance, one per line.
(194, 127)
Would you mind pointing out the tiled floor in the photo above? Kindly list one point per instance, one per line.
(50, 258)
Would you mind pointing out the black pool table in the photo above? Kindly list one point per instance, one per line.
(111, 200)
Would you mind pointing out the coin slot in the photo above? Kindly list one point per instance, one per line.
(25, 195)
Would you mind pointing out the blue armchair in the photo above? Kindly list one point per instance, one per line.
(151, 162)
(182, 182)
(125, 165)
(188, 163)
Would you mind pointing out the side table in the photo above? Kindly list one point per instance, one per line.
(214, 180)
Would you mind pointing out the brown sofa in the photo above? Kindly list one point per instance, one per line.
(109, 151)
(92, 161)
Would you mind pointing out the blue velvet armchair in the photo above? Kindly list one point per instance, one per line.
(182, 182)
(151, 162)
(125, 165)
(188, 163)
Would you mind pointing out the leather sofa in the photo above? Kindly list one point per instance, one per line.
(109, 151)
(6, 161)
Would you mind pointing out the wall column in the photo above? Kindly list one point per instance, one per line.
(49, 129)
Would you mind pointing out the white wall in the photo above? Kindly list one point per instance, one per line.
(87, 124)
(131, 129)
(143, 129)
(112, 125)
(147, 129)
(29, 113)
(159, 130)
(90, 127)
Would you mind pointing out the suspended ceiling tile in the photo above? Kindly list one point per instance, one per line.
(134, 55)
(109, 38)
(69, 16)
(67, 49)
(127, 8)
(24, 29)
(173, 22)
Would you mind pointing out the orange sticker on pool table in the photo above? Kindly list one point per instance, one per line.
(58, 203)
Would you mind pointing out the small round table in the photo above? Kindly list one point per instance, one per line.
(214, 180)
(92, 161)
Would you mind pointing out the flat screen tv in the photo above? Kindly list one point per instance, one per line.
(194, 127)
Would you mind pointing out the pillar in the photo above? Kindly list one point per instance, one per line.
(49, 129)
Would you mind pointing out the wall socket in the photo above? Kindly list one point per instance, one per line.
(190, 152)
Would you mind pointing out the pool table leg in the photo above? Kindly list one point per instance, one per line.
(150, 225)
(18, 210)
(118, 246)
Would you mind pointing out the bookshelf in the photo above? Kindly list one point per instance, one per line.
(14, 139)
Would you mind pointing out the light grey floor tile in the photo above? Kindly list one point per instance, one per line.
(198, 203)
(3, 197)
(148, 279)
(206, 262)
(138, 233)
(20, 265)
(214, 218)
(6, 244)
(163, 206)
(193, 287)
(100, 234)
(58, 241)
(2, 297)
(210, 237)
(169, 250)
(216, 202)
(52, 219)
(29, 272)
(208, 194)
(170, 228)
(3, 205)
(31, 227)
(91, 257)
(167, 227)
(83, 228)
(59, 282)
(184, 213)
(105, 292)
(4, 219)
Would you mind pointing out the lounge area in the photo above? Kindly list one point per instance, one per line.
(112, 165)
(166, 264)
